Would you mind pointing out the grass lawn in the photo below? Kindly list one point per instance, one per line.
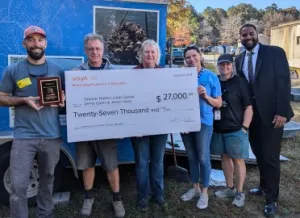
(289, 200)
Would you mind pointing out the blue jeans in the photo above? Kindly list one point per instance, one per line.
(197, 145)
(149, 178)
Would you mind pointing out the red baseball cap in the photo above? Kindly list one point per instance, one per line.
(34, 29)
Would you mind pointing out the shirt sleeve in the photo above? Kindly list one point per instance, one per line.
(246, 99)
(7, 83)
(215, 86)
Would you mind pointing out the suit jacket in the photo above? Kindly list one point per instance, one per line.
(272, 84)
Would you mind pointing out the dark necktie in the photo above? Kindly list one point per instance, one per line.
(250, 68)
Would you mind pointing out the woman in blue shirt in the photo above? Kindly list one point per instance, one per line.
(197, 144)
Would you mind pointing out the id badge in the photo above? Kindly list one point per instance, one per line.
(24, 82)
(217, 114)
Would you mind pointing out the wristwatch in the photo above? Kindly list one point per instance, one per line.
(245, 128)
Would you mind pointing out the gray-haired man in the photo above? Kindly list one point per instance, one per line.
(106, 150)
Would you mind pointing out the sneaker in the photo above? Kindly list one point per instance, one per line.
(258, 191)
(87, 207)
(142, 205)
(226, 193)
(192, 193)
(270, 209)
(239, 199)
(203, 201)
(118, 209)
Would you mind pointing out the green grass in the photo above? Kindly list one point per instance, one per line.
(289, 200)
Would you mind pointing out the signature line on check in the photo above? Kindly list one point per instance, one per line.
(176, 120)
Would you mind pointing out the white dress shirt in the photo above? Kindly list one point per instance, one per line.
(254, 60)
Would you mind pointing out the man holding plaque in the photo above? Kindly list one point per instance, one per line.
(36, 128)
(106, 150)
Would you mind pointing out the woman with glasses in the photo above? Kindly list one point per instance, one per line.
(197, 144)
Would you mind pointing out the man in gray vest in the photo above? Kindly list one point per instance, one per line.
(106, 150)
(36, 128)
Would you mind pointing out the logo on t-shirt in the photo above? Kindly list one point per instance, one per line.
(24, 82)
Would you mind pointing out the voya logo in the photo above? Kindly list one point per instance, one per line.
(83, 78)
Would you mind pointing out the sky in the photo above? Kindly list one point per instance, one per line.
(200, 5)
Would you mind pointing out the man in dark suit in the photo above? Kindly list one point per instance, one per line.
(267, 72)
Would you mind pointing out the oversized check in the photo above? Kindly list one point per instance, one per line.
(109, 104)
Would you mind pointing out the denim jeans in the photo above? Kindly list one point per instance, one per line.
(149, 177)
(197, 145)
(21, 160)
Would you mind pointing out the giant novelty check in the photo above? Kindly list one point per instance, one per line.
(137, 102)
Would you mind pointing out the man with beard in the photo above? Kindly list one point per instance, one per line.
(106, 150)
(267, 71)
(36, 128)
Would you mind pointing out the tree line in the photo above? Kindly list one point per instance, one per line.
(218, 26)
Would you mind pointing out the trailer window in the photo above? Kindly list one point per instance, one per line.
(124, 30)
(298, 40)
